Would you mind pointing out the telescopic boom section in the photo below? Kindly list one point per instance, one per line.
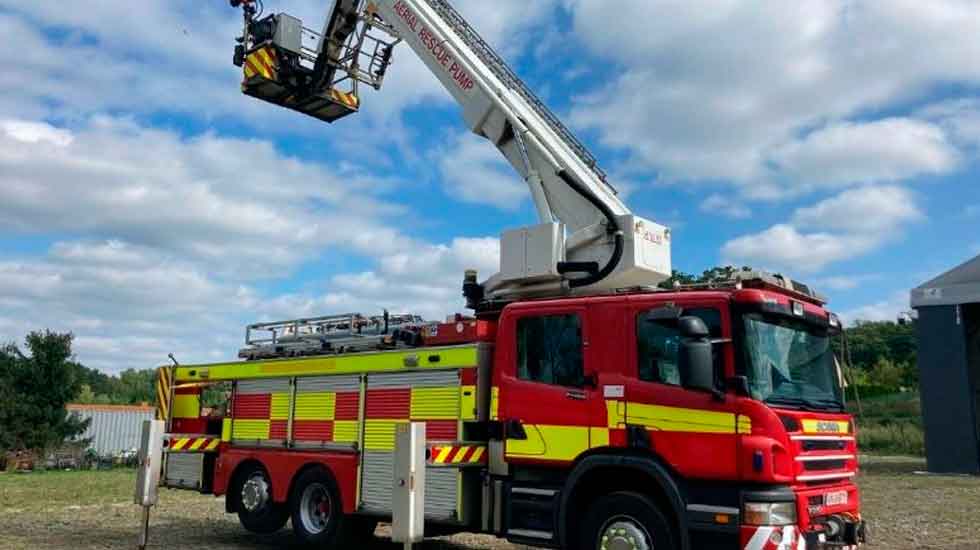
(587, 240)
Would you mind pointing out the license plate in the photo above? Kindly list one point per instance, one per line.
(838, 498)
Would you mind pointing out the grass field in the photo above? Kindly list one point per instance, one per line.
(93, 510)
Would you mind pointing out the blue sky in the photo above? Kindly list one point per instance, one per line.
(149, 207)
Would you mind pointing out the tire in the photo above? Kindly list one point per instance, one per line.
(316, 509)
(626, 520)
(256, 511)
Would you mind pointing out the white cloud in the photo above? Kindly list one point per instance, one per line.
(36, 132)
(960, 118)
(888, 309)
(872, 210)
(784, 248)
(891, 149)
(188, 195)
(175, 57)
(847, 226)
(843, 282)
(726, 206)
(130, 306)
(708, 90)
(474, 171)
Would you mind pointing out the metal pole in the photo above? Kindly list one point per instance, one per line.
(144, 529)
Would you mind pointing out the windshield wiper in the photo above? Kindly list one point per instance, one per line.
(798, 402)
(805, 404)
(836, 403)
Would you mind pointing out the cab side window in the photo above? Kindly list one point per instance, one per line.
(549, 350)
(658, 343)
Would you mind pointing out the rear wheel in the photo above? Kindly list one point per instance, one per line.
(626, 521)
(256, 510)
(317, 512)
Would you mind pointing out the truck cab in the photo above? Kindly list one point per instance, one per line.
(722, 408)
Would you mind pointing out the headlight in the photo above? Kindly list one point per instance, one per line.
(774, 514)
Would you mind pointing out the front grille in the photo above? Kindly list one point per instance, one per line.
(824, 465)
(820, 445)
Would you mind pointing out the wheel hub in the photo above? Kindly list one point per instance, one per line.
(624, 534)
(315, 508)
(255, 493)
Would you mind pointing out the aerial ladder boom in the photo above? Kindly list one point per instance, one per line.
(587, 240)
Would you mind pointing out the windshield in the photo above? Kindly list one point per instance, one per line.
(790, 363)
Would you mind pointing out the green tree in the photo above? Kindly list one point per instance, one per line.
(713, 275)
(34, 390)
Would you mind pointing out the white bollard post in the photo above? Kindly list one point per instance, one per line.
(148, 474)
(408, 495)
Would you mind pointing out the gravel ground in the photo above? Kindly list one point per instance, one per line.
(92, 510)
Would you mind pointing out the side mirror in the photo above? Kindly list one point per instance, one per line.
(696, 362)
(692, 327)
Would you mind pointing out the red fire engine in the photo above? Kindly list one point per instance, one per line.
(582, 407)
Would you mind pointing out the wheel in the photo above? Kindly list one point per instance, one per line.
(256, 511)
(626, 521)
(317, 513)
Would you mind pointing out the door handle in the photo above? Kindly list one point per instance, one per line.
(577, 395)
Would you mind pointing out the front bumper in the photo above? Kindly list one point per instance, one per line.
(792, 538)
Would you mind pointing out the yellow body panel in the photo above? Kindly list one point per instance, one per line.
(355, 363)
(316, 406)
(495, 403)
(467, 403)
(280, 406)
(346, 431)
(379, 435)
(226, 429)
(552, 442)
(435, 403)
(250, 429)
(187, 406)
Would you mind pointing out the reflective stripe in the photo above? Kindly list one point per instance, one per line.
(163, 393)
(456, 455)
(193, 445)
(460, 454)
(744, 424)
(678, 419)
(443, 454)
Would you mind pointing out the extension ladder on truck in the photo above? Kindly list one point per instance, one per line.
(348, 332)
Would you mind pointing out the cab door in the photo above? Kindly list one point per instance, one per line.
(694, 431)
(547, 393)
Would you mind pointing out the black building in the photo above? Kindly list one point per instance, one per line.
(948, 331)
